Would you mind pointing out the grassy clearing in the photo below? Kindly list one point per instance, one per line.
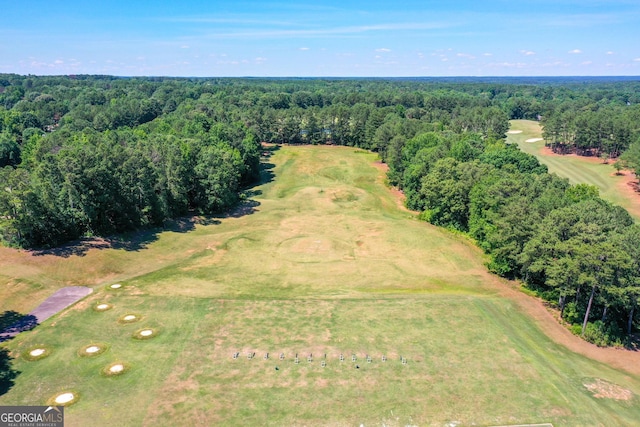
(579, 170)
(326, 264)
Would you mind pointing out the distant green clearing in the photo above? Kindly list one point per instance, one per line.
(326, 264)
(579, 170)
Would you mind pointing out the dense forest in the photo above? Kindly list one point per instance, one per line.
(88, 156)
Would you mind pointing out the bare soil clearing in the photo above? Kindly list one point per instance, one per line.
(547, 319)
(627, 183)
(618, 189)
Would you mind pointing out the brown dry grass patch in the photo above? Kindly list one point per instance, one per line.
(605, 390)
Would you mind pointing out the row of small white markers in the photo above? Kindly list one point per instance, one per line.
(354, 358)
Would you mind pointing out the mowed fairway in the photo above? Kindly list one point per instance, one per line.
(324, 263)
(579, 170)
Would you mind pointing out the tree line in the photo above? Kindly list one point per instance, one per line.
(563, 241)
(592, 130)
(97, 155)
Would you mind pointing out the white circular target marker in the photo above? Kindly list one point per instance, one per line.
(64, 398)
(116, 369)
(37, 352)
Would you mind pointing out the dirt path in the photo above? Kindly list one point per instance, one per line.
(626, 360)
(397, 194)
(57, 302)
(547, 320)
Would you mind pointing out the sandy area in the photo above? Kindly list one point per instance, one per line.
(129, 317)
(513, 132)
(37, 352)
(116, 286)
(92, 349)
(146, 333)
(534, 139)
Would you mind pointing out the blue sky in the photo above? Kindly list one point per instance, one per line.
(322, 38)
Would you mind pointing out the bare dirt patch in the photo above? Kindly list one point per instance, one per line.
(397, 194)
(628, 185)
(605, 390)
(547, 151)
(547, 320)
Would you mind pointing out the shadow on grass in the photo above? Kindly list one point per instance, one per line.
(12, 323)
(244, 208)
(634, 342)
(7, 373)
(132, 241)
(139, 240)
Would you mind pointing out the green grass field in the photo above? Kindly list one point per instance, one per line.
(326, 263)
(579, 170)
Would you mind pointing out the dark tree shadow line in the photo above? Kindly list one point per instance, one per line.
(7, 373)
(139, 240)
(11, 324)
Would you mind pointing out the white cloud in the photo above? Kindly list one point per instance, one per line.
(586, 63)
(184, 46)
(465, 55)
(259, 32)
(303, 48)
(509, 64)
(575, 51)
(527, 52)
(383, 49)
(610, 52)
(636, 60)
(487, 54)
